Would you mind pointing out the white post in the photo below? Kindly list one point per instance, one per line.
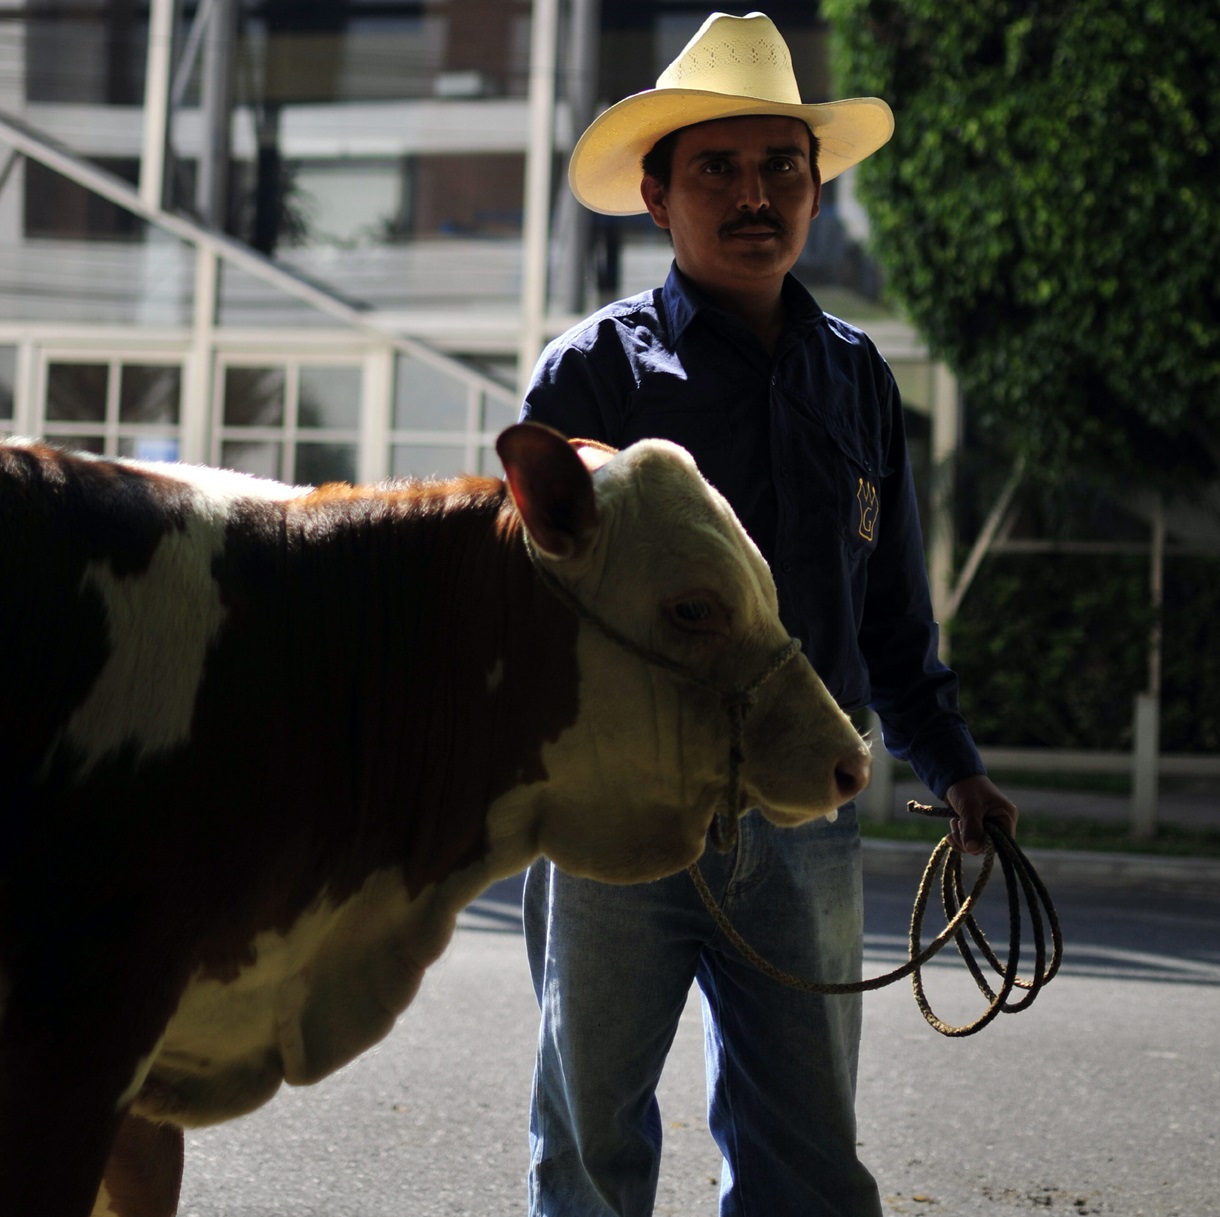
(197, 390)
(946, 436)
(536, 220)
(1146, 751)
(1145, 759)
(156, 103)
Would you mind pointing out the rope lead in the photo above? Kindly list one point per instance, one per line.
(1020, 878)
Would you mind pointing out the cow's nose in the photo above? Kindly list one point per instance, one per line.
(852, 772)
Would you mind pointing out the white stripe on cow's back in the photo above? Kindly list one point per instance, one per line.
(160, 623)
(225, 486)
(159, 626)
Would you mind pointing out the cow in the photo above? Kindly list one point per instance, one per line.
(260, 744)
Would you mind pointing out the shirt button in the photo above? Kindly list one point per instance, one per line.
(785, 566)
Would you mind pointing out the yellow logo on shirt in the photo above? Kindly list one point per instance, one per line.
(866, 497)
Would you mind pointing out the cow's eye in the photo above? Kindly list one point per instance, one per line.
(692, 611)
(699, 614)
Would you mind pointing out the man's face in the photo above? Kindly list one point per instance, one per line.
(739, 202)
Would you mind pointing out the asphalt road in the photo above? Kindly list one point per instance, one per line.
(1103, 1098)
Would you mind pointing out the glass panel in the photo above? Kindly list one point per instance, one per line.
(254, 397)
(56, 206)
(149, 447)
(318, 463)
(261, 459)
(85, 277)
(489, 463)
(76, 392)
(498, 413)
(329, 397)
(349, 203)
(425, 462)
(8, 381)
(427, 399)
(248, 301)
(149, 393)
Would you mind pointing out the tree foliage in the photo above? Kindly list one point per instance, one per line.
(1048, 211)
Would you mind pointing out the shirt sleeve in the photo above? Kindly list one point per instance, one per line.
(577, 390)
(913, 692)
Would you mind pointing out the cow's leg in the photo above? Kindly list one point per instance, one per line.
(59, 1113)
(144, 1172)
(53, 1141)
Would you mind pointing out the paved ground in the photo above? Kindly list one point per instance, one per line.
(1102, 1099)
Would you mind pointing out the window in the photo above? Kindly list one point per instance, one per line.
(295, 421)
(8, 388)
(442, 424)
(114, 407)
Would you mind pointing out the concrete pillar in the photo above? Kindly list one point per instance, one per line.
(536, 225)
(155, 148)
(877, 802)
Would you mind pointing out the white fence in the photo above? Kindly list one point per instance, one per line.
(1145, 765)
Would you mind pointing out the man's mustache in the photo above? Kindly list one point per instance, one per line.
(763, 219)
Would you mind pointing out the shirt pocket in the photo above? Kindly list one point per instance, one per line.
(856, 470)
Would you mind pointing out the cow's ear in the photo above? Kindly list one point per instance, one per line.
(552, 488)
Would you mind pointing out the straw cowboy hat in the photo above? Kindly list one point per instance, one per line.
(733, 66)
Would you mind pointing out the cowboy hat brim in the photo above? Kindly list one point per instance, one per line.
(605, 174)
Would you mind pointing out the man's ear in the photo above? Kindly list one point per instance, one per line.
(653, 194)
(551, 487)
(817, 195)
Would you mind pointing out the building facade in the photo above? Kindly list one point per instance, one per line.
(320, 239)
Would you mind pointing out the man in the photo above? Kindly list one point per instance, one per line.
(795, 418)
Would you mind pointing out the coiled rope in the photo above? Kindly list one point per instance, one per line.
(1020, 879)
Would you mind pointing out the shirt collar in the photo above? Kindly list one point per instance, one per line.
(683, 301)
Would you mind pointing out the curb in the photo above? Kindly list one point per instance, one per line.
(1060, 867)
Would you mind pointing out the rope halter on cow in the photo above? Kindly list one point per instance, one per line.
(738, 702)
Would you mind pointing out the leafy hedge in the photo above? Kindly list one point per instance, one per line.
(1052, 648)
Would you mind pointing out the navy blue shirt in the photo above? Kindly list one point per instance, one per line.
(809, 448)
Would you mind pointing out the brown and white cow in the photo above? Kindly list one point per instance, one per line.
(260, 744)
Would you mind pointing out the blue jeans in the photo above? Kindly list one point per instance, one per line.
(612, 968)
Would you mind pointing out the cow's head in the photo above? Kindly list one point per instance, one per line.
(657, 555)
